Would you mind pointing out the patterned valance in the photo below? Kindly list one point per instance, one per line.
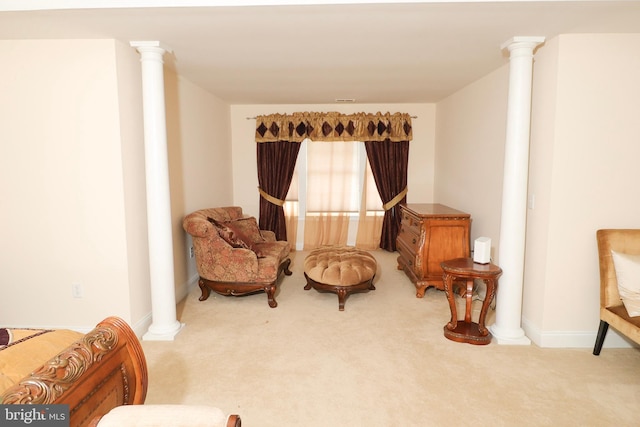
(334, 126)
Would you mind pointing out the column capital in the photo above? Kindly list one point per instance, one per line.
(150, 46)
(522, 42)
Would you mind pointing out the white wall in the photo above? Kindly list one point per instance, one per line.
(593, 167)
(199, 144)
(470, 137)
(61, 180)
(134, 187)
(245, 176)
(72, 179)
(543, 127)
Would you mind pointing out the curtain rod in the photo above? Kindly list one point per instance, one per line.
(253, 118)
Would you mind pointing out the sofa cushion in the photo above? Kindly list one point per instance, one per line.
(239, 234)
(164, 415)
(247, 228)
(340, 265)
(229, 234)
(627, 269)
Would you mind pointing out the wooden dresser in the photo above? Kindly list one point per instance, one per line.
(429, 234)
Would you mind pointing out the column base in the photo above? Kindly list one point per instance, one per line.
(166, 334)
(512, 337)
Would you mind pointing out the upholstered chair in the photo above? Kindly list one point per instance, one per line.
(233, 256)
(619, 304)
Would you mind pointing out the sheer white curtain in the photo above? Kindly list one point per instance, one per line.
(371, 214)
(332, 184)
(291, 209)
(338, 191)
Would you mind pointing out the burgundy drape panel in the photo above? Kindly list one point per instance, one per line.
(276, 162)
(389, 163)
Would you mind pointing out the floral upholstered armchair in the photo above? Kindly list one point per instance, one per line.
(233, 256)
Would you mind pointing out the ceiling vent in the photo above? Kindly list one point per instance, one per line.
(345, 100)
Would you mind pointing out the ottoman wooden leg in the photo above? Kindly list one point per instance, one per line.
(342, 297)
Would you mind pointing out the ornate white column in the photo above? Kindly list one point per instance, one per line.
(164, 325)
(507, 328)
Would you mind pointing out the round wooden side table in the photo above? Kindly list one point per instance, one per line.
(464, 269)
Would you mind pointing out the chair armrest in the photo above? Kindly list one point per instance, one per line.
(268, 235)
(197, 226)
(167, 415)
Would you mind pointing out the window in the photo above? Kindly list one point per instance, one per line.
(332, 196)
(332, 177)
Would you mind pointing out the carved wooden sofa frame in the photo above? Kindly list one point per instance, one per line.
(245, 288)
(104, 369)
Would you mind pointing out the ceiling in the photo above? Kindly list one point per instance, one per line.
(316, 53)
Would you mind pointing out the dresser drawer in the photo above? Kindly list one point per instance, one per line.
(410, 236)
(411, 222)
(409, 257)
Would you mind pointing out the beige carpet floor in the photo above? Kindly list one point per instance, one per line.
(382, 362)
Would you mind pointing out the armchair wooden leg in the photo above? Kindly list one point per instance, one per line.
(602, 332)
(285, 267)
(271, 292)
(204, 289)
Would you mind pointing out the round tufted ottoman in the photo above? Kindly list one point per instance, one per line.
(342, 270)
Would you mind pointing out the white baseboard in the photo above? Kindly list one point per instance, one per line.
(185, 288)
(142, 326)
(574, 339)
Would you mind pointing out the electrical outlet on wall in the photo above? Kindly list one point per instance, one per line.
(191, 252)
(76, 290)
